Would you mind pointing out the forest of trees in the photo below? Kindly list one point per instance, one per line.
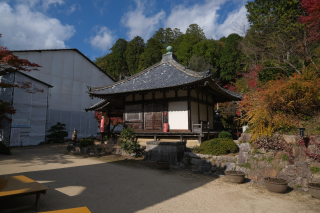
(192, 49)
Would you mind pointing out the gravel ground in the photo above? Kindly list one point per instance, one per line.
(105, 186)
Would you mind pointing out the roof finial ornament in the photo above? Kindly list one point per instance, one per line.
(169, 49)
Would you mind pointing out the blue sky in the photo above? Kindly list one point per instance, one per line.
(92, 26)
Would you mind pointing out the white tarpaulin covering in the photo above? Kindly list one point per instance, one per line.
(69, 73)
(31, 111)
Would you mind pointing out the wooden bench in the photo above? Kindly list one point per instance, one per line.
(16, 186)
(74, 210)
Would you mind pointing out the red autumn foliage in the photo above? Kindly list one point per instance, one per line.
(252, 76)
(113, 120)
(312, 18)
(10, 63)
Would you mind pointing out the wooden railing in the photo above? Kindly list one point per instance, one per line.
(200, 128)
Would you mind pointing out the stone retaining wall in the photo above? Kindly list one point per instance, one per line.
(258, 164)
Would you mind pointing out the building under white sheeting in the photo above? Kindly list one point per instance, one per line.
(69, 72)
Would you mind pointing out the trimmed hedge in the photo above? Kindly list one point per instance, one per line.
(217, 146)
(225, 134)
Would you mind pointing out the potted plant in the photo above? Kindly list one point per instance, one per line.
(235, 176)
(163, 164)
(314, 189)
(277, 185)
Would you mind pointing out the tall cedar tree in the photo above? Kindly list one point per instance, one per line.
(119, 63)
(231, 59)
(167, 37)
(210, 50)
(106, 63)
(10, 63)
(194, 35)
(133, 54)
(152, 52)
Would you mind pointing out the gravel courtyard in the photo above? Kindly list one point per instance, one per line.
(107, 185)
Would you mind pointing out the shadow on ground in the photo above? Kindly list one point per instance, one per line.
(118, 186)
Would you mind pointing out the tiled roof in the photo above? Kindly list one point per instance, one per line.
(167, 73)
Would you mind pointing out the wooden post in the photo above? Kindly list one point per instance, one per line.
(155, 137)
(37, 201)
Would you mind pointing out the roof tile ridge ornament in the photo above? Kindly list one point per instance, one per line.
(127, 79)
(172, 59)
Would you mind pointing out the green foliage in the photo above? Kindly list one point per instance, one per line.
(57, 133)
(4, 149)
(86, 142)
(198, 63)
(209, 49)
(285, 158)
(118, 60)
(129, 141)
(152, 52)
(218, 146)
(193, 36)
(225, 134)
(314, 169)
(231, 61)
(133, 54)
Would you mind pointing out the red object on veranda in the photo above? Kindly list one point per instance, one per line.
(102, 125)
(165, 127)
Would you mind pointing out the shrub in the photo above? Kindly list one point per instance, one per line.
(225, 134)
(281, 104)
(86, 142)
(57, 132)
(129, 142)
(218, 146)
(4, 149)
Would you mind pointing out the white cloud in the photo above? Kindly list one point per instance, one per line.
(234, 23)
(139, 24)
(46, 3)
(103, 40)
(22, 28)
(206, 16)
(73, 8)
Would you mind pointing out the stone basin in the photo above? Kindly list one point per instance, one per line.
(165, 151)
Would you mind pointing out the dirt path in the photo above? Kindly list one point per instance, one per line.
(113, 187)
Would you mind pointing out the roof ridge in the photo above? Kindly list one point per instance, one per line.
(189, 72)
(128, 79)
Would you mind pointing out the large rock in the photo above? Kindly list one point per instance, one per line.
(230, 166)
(270, 171)
(242, 169)
(262, 164)
(301, 164)
(279, 155)
(290, 139)
(242, 157)
(196, 161)
(289, 172)
(316, 177)
(270, 155)
(245, 137)
(258, 156)
(298, 153)
(304, 172)
(244, 147)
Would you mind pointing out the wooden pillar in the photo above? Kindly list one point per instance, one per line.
(189, 112)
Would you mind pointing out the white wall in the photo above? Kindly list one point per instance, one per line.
(178, 115)
(69, 72)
